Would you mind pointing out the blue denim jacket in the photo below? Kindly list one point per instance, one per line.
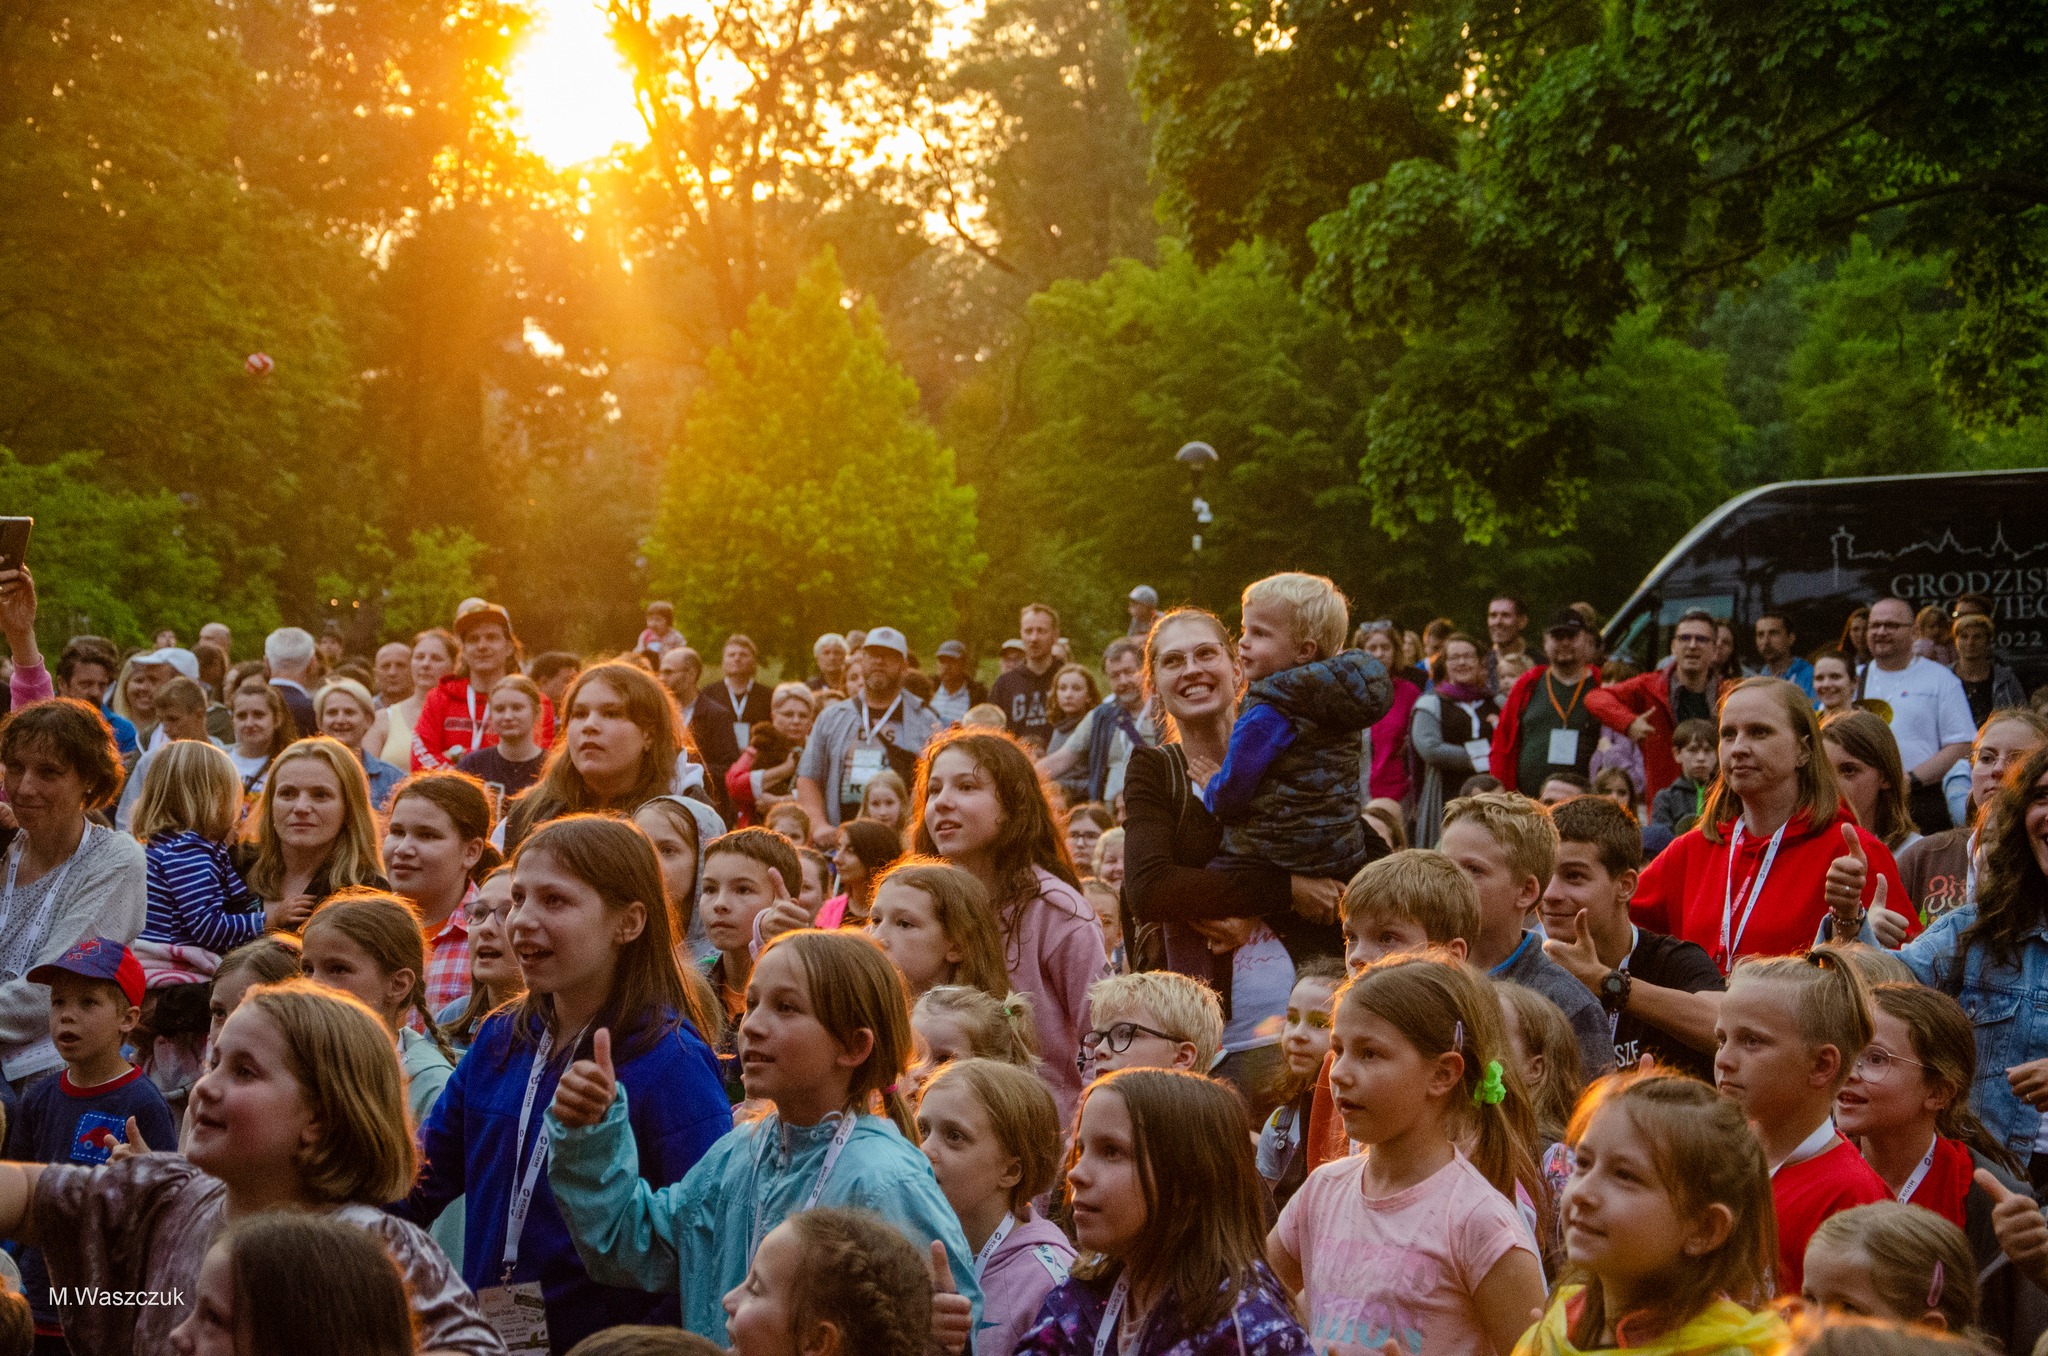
(2008, 1004)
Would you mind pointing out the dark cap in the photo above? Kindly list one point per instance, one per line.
(1566, 622)
(952, 649)
(97, 958)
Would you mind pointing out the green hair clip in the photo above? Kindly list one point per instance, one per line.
(1491, 1090)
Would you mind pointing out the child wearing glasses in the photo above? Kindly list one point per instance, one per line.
(1154, 1020)
(1304, 1041)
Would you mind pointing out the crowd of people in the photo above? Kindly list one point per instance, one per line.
(1298, 988)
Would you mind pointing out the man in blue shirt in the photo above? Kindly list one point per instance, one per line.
(1774, 653)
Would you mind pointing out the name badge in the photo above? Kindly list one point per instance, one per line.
(740, 731)
(863, 769)
(1564, 748)
(518, 1315)
(1477, 750)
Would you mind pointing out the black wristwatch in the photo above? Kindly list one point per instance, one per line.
(1614, 990)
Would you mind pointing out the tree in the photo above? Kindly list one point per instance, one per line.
(807, 495)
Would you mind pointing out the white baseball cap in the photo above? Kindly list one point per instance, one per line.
(183, 660)
(887, 638)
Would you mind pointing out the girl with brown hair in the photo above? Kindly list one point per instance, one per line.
(979, 804)
(436, 846)
(1873, 780)
(934, 922)
(618, 750)
(591, 927)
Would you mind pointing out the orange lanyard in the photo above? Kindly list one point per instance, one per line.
(1564, 713)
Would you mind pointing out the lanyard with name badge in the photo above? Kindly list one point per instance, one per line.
(847, 1123)
(1117, 1296)
(518, 1312)
(1726, 955)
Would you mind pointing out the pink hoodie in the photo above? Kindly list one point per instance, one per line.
(1054, 954)
(1015, 1281)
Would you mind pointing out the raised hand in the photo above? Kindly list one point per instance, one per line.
(131, 1147)
(1578, 955)
(952, 1313)
(589, 1086)
(1888, 926)
(1846, 877)
(782, 915)
(2017, 1221)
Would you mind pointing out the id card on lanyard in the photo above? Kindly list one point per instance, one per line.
(518, 1312)
(1733, 927)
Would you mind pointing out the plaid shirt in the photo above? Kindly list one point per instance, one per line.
(448, 957)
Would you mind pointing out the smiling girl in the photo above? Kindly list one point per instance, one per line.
(301, 1108)
(934, 923)
(435, 844)
(591, 932)
(981, 806)
(1166, 1210)
(826, 1039)
(619, 750)
(263, 727)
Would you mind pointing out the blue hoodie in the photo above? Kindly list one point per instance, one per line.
(679, 1111)
(698, 1236)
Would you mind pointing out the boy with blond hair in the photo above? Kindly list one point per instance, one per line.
(1506, 843)
(1155, 1019)
(1288, 791)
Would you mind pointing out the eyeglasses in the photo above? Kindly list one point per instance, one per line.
(480, 911)
(1118, 1038)
(1887, 626)
(1874, 1065)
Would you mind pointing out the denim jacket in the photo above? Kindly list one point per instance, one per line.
(2008, 1004)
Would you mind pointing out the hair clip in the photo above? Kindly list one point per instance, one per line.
(1458, 1035)
(1491, 1090)
(1934, 1286)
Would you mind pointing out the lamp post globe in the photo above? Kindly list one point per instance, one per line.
(1197, 457)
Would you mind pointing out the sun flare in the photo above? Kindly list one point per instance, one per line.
(570, 89)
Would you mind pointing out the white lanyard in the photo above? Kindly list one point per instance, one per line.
(1116, 1306)
(522, 1195)
(1970, 874)
(1813, 1146)
(867, 731)
(1754, 892)
(49, 900)
(847, 1122)
(995, 1240)
(1920, 1173)
(476, 732)
(739, 699)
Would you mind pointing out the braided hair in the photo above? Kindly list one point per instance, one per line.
(865, 1279)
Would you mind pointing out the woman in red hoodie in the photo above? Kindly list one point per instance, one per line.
(455, 719)
(1776, 852)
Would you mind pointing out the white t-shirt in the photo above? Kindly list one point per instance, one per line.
(248, 764)
(1929, 710)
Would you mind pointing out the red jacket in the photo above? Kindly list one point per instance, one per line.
(1505, 759)
(1683, 887)
(1617, 706)
(455, 716)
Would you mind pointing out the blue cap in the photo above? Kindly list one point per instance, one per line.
(97, 958)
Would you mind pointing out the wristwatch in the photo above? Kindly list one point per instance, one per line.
(1614, 990)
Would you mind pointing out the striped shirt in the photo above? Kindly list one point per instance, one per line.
(196, 898)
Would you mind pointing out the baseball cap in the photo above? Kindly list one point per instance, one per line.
(1565, 622)
(952, 649)
(1145, 594)
(887, 638)
(468, 616)
(1010, 645)
(183, 660)
(97, 958)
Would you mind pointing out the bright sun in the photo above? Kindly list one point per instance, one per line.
(571, 91)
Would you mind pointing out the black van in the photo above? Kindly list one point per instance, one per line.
(1817, 549)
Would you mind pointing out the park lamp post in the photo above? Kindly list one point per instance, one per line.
(1197, 457)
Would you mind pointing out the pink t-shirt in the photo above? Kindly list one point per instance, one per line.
(1404, 1266)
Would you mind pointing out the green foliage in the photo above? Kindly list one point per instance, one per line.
(807, 495)
(440, 571)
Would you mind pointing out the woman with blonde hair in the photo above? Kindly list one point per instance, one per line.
(315, 831)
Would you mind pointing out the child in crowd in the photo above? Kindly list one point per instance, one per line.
(1790, 1029)
(886, 800)
(679, 828)
(817, 873)
(267, 960)
(269, 1273)
(199, 907)
(1667, 1227)
(1287, 793)
(832, 1283)
(1156, 1019)
(1508, 845)
(1107, 904)
(1547, 1055)
(494, 977)
(992, 1134)
(827, 1034)
(744, 874)
(1696, 745)
(1167, 1214)
(303, 1111)
(933, 921)
(866, 850)
(1890, 1260)
(1413, 1242)
(512, 764)
(661, 635)
(641, 1339)
(599, 961)
(1304, 1044)
(953, 1021)
(790, 820)
(95, 1100)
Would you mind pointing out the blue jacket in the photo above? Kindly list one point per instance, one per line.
(679, 1111)
(2008, 1005)
(698, 1236)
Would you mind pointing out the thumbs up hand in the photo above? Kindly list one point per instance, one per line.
(2018, 1223)
(132, 1147)
(952, 1312)
(589, 1086)
(1846, 877)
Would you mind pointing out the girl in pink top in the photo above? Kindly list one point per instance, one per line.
(979, 804)
(1412, 1243)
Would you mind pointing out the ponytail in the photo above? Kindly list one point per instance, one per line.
(999, 1029)
(1834, 1006)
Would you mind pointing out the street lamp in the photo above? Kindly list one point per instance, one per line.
(1197, 457)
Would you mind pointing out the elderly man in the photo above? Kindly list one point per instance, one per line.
(881, 726)
(394, 673)
(217, 633)
(1106, 735)
(830, 652)
(289, 653)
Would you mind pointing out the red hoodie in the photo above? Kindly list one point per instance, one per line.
(1618, 704)
(455, 715)
(1683, 887)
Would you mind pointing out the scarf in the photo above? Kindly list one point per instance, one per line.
(1723, 1326)
(1460, 692)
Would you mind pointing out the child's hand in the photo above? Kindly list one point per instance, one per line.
(288, 915)
(952, 1314)
(132, 1147)
(589, 1086)
(2018, 1223)
(1889, 927)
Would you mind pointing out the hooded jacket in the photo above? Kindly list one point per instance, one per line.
(456, 716)
(1015, 1280)
(1618, 704)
